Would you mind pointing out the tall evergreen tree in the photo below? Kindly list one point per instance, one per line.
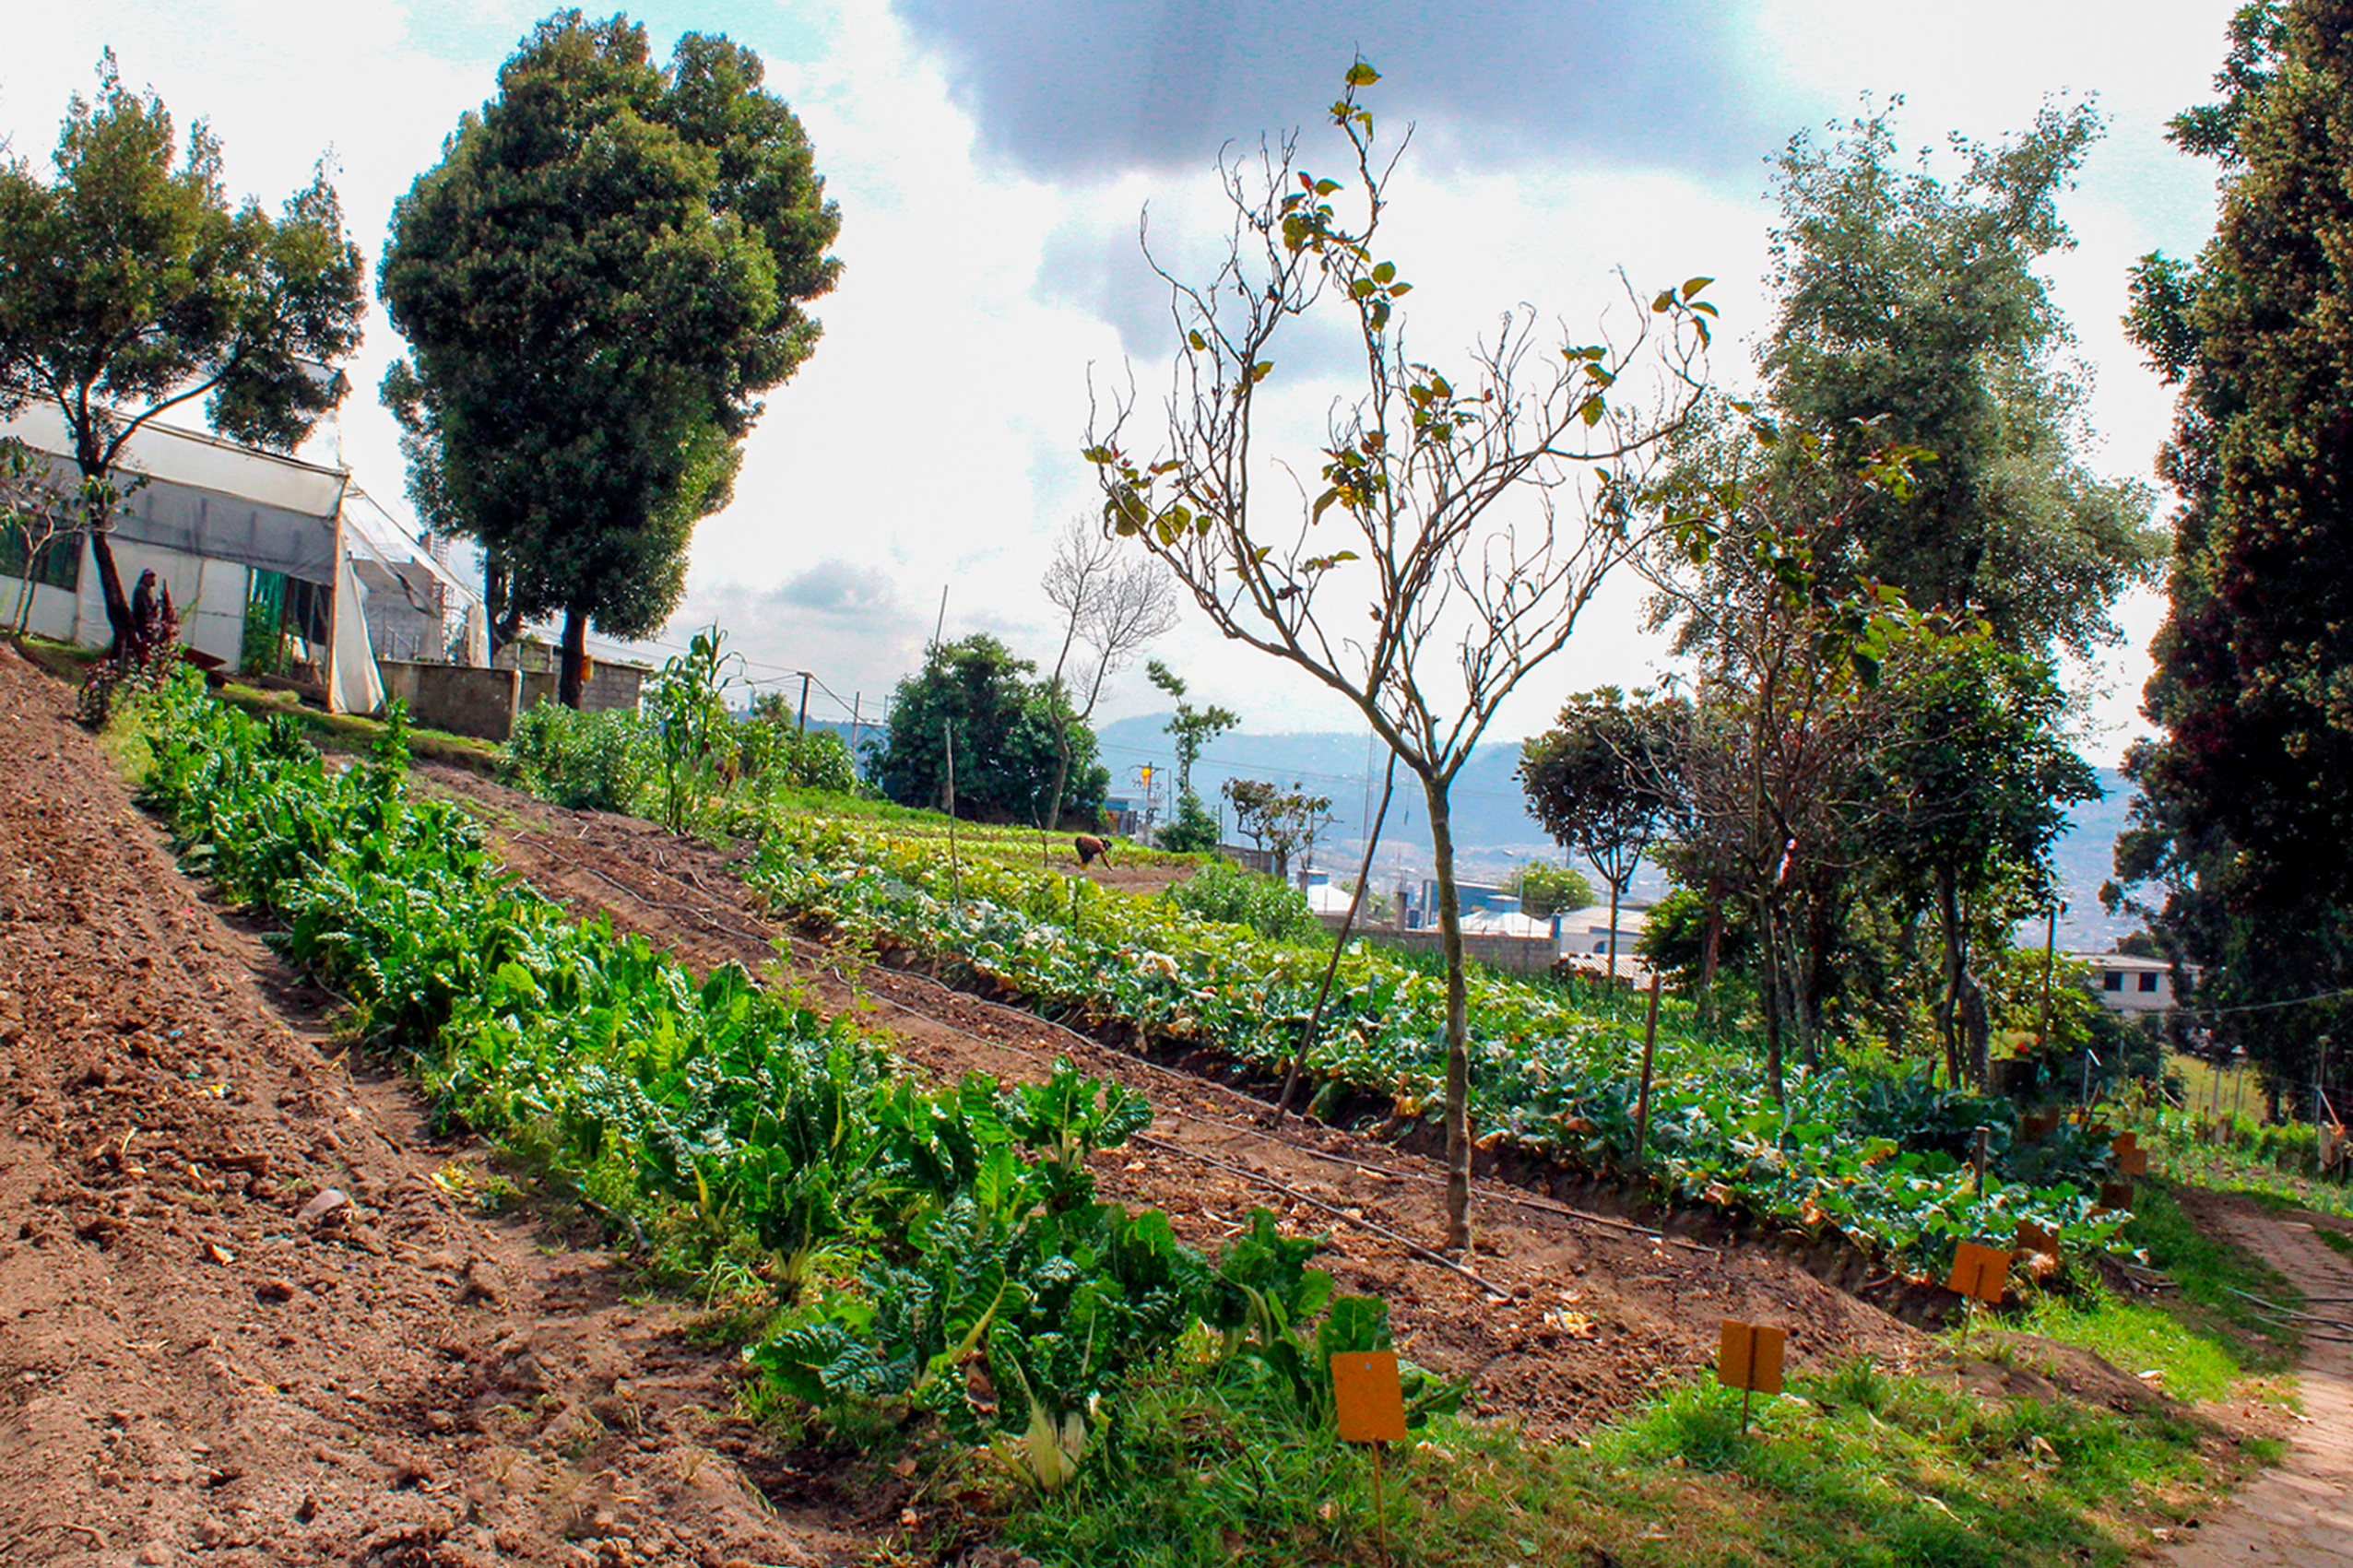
(2246, 800)
(607, 267)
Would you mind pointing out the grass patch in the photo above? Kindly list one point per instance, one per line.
(2207, 1268)
(1864, 1468)
(2336, 1240)
(2200, 1340)
(353, 731)
(66, 661)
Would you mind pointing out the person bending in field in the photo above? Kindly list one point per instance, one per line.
(1089, 847)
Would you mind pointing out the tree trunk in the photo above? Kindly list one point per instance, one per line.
(1948, 1010)
(1712, 943)
(110, 585)
(1769, 987)
(1614, 912)
(1061, 776)
(1458, 1027)
(575, 651)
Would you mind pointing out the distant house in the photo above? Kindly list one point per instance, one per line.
(2131, 986)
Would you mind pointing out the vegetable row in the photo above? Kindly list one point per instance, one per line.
(940, 1250)
(1874, 1158)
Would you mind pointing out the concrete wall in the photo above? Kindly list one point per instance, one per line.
(611, 688)
(479, 702)
(1520, 955)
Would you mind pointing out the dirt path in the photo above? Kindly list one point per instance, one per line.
(1587, 1314)
(2300, 1513)
(242, 1323)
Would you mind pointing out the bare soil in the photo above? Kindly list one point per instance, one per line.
(191, 1371)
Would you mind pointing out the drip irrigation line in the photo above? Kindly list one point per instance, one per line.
(1416, 1249)
(2274, 1309)
(1509, 1193)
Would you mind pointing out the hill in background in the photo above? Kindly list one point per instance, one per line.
(1493, 830)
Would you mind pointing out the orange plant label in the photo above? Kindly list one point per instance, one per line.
(2133, 1161)
(1980, 1270)
(2115, 1195)
(1367, 1396)
(1749, 1356)
(2034, 1238)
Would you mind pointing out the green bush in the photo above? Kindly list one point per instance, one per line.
(1223, 890)
(778, 756)
(1546, 890)
(586, 761)
(1194, 832)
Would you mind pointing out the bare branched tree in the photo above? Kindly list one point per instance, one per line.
(1462, 522)
(1112, 604)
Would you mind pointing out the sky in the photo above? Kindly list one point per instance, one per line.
(992, 161)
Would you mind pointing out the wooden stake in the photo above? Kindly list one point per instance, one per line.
(1380, 1509)
(1650, 1044)
(955, 872)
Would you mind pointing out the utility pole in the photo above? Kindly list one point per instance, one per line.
(805, 678)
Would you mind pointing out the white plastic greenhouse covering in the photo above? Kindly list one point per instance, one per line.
(213, 500)
(209, 497)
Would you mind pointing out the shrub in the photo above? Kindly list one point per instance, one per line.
(779, 756)
(586, 761)
(1194, 832)
(1223, 890)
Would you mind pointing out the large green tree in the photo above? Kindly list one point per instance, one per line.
(977, 697)
(130, 286)
(609, 264)
(2246, 800)
(1916, 444)
(1970, 782)
(1911, 314)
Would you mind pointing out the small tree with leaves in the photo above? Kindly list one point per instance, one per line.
(1462, 519)
(35, 514)
(1601, 781)
(1546, 890)
(1283, 822)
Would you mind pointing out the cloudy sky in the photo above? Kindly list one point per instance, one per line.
(991, 160)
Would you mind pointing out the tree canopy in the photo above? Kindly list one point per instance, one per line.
(2245, 800)
(1911, 314)
(609, 264)
(1603, 780)
(130, 286)
(1004, 731)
